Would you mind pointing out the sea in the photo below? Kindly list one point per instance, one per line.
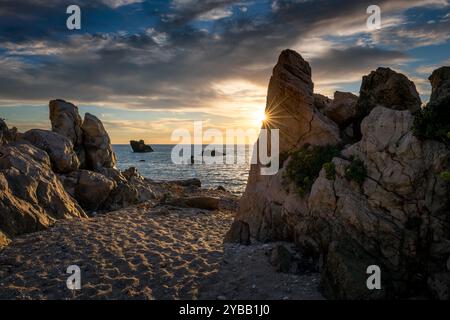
(158, 165)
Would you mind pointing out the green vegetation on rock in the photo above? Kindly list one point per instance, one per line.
(330, 170)
(433, 122)
(306, 163)
(356, 171)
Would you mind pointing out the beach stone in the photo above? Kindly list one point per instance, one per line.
(201, 202)
(194, 182)
(31, 196)
(238, 233)
(97, 144)
(66, 121)
(58, 147)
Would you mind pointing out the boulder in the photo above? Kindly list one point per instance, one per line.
(66, 121)
(281, 258)
(387, 88)
(97, 144)
(89, 188)
(58, 147)
(321, 102)
(342, 109)
(31, 196)
(397, 219)
(202, 202)
(140, 146)
(238, 233)
(291, 109)
(131, 188)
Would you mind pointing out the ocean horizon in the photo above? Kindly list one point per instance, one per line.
(158, 165)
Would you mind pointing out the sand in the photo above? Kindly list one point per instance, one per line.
(146, 252)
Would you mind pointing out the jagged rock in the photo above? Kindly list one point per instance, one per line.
(387, 88)
(31, 196)
(58, 147)
(97, 144)
(238, 233)
(388, 220)
(290, 108)
(140, 146)
(440, 85)
(342, 109)
(66, 121)
(290, 98)
(203, 202)
(89, 188)
(7, 135)
(321, 102)
(281, 258)
(131, 188)
(194, 182)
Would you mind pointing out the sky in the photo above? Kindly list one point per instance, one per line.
(146, 68)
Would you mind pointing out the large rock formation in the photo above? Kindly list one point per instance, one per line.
(66, 121)
(290, 108)
(380, 201)
(397, 219)
(58, 147)
(99, 153)
(7, 135)
(385, 87)
(31, 196)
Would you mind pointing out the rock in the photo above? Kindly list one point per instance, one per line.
(31, 196)
(221, 188)
(281, 258)
(387, 88)
(4, 241)
(386, 220)
(194, 182)
(58, 147)
(97, 144)
(290, 98)
(202, 202)
(321, 102)
(342, 109)
(7, 135)
(440, 85)
(238, 233)
(140, 146)
(66, 121)
(89, 188)
(131, 188)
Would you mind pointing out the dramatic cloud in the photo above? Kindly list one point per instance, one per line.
(211, 58)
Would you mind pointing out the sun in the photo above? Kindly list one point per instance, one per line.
(262, 116)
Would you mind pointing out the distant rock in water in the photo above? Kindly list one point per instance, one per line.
(140, 146)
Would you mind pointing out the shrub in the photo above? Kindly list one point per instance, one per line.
(433, 122)
(305, 165)
(330, 170)
(356, 171)
(445, 175)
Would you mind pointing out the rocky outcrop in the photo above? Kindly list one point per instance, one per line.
(342, 109)
(387, 88)
(380, 201)
(31, 196)
(440, 85)
(239, 233)
(58, 147)
(290, 105)
(140, 146)
(66, 121)
(99, 153)
(7, 135)
(89, 188)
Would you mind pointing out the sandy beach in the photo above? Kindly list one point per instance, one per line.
(146, 251)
